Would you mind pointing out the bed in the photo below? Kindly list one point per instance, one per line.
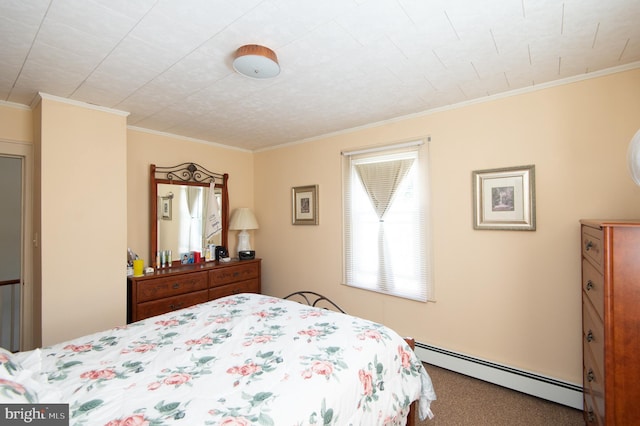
(245, 359)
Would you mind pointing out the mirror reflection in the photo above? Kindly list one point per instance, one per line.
(181, 213)
(183, 217)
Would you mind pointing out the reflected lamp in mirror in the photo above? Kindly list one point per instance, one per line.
(633, 158)
(242, 219)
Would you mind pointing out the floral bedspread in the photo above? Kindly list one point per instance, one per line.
(246, 359)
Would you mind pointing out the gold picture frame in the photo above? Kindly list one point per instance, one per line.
(304, 203)
(166, 208)
(504, 199)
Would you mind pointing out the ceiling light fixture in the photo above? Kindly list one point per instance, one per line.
(633, 157)
(256, 61)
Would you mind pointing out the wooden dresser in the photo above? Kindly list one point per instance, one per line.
(170, 289)
(611, 321)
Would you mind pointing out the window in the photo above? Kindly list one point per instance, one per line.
(385, 221)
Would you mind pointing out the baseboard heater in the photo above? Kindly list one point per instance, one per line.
(564, 393)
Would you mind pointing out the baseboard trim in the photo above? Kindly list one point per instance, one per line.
(548, 388)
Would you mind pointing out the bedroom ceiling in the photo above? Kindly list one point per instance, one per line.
(345, 63)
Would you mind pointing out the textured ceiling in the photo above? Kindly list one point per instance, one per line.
(345, 63)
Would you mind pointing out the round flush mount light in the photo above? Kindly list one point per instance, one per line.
(633, 158)
(256, 61)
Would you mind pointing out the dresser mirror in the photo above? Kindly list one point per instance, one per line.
(179, 197)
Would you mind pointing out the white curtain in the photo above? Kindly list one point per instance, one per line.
(381, 180)
(194, 203)
(213, 222)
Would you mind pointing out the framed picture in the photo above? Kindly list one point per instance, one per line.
(165, 208)
(504, 199)
(186, 258)
(304, 200)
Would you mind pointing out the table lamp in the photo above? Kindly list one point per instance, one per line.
(243, 219)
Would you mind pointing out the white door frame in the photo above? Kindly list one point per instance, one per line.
(24, 151)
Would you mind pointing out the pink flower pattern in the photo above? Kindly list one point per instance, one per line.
(177, 379)
(234, 421)
(405, 358)
(15, 386)
(245, 370)
(168, 323)
(79, 348)
(106, 374)
(366, 379)
(263, 347)
(370, 334)
(135, 420)
(200, 341)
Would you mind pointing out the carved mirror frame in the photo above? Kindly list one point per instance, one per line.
(190, 174)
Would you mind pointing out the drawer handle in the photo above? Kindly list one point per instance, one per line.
(589, 285)
(176, 286)
(590, 336)
(588, 246)
(590, 416)
(176, 306)
(235, 274)
(590, 376)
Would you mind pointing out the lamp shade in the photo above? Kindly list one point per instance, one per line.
(242, 218)
(256, 61)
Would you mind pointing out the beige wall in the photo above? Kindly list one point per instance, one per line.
(81, 186)
(509, 297)
(145, 148)
(84, 232)
(16, 123)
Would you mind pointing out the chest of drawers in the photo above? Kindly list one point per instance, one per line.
(170, 289)
(611, 321)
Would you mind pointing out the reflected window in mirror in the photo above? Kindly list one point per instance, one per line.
(184, 230)
(179, 209)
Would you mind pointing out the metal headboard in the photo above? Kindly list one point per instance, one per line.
(312, 299)
(188, 172)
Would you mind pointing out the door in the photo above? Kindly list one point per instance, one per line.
(10, 251)
(16, 322)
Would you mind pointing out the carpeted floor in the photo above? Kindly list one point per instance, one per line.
(463, 400)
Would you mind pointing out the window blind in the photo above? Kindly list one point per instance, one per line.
(386, 241)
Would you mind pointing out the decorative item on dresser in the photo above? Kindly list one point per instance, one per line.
(167, 290)
(611, 321)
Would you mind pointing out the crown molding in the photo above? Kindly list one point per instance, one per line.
(42, 95)
(186, 138)
(490, 98)
(15, 105)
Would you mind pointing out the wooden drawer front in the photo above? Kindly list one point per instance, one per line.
(592, 246)
(249, 286)
(593, 287)
(162, 306)
(593, 335)
(594, 384)
(159, 288)
(231, 274)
